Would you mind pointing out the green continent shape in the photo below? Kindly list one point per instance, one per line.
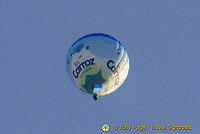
(95, 75)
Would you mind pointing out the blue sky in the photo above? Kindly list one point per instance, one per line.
(162, 88)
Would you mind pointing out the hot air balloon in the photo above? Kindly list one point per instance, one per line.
(97, 64)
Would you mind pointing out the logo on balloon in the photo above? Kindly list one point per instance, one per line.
(82, 66)
(111, 66)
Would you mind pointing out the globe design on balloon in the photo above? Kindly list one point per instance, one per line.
(97, 61)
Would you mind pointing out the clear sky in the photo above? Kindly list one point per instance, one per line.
(162, 87)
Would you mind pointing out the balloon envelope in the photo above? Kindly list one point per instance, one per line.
(97, 64)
